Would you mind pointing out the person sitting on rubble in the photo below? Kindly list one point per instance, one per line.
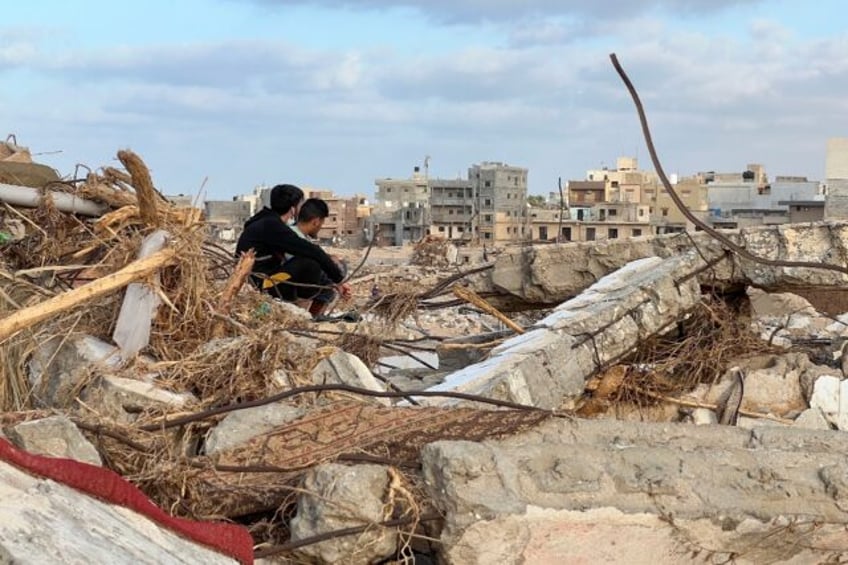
(310, 220)
(288, 266)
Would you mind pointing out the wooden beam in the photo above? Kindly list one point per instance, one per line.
(22, 319)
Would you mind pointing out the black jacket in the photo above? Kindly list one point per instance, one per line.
(272, 239)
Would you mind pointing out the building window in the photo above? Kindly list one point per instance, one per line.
(487, 202)
(543, 232)
(441, 228)
(488, 184)
(389, 189)
(612, 233)
(665, 212)
(590, 234)
(637, 232)
(613, 212)
(641, 212)
(487, 218)
(487, 235)
(450, 211)
(566, 234)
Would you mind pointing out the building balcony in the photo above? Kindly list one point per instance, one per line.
(437, 201)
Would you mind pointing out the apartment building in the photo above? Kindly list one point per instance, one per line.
(452, 209)
(501, 202)
(665, 216)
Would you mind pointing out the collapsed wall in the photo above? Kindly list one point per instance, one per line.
(592, 491)
(550, 274)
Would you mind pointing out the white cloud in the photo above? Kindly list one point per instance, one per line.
(248, 111)
(463, 11)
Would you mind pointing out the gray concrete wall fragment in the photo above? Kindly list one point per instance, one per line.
(716, 477)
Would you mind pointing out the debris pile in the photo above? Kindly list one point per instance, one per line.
(432, 424)
(434, 251)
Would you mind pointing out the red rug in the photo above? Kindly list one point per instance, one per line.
(233, 541)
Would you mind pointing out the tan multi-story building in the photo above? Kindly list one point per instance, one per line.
(452, 209)
(393, 194)
(500, 194)
(624, 183)
(590, 222)
(666, 217)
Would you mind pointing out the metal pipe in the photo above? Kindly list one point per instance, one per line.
(65, 202)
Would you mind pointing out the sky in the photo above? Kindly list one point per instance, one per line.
(218, 96)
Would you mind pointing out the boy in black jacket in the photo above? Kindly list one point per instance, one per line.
(298, 278)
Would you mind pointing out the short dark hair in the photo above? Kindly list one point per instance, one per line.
(313, 208)
(284, 197)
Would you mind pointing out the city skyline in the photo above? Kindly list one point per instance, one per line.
(335, 94)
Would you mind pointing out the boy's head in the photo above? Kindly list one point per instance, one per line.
(312, 214)
(285, 198)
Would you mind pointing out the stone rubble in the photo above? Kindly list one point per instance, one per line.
(662, 483)
(47, 522)
(55, 436)
(549, 364)
(719, 488)
(336, 497)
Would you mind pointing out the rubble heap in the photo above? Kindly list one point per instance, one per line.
(434, 251)
(436, 425)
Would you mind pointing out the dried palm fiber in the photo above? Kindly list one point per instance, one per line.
(701, 350)
(366, 347)
(14, 386)
(398, 301)
(143, 184)
(246, 367)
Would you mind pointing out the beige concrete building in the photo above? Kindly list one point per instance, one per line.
(664, 213)
(393, 194)
(500, 192)
(452, 209)
(607, 220)
(624, 183)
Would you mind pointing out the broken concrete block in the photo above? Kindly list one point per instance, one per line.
(122, 398)
(777, 304)
(812, 419)
(241, 426)
(347, 369)
(507, 491)
(703, 417)
(548, 365)
(59, 365)
(453, 357)
(830, 395)
(47, 522)
(773, 384)
(55, 436)
(336, 497)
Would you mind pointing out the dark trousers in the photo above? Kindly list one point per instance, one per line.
(304, 277)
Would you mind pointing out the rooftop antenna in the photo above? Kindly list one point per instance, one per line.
(426, 166)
